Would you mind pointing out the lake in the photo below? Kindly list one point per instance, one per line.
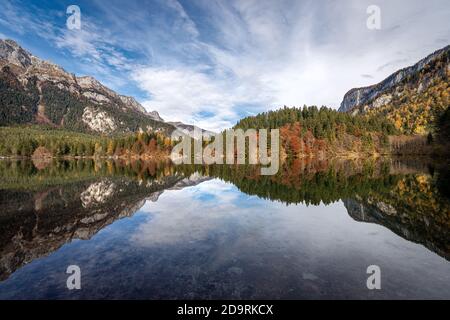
(147, 230)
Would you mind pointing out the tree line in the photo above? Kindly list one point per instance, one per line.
(23, 141)
(324, 123)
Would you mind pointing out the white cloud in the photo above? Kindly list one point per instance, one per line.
(186, 92)
(95, 49)
(96, 45)
(183, 22)
(181, 216)
(80, 43)
(224, 59)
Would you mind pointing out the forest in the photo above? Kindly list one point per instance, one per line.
(420, 100)
(304, 132)
(26, 141)
(313, 130)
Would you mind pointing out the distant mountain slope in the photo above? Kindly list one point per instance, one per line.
(411, 98)
(371, 96)
(188, 129)
(37, 91)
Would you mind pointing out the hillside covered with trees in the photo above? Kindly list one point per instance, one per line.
(415, 111)
(310, 131)
(412, 98)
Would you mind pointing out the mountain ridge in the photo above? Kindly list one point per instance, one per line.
(368, 95)
(38, 91)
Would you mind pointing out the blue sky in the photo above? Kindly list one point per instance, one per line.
(210, 62)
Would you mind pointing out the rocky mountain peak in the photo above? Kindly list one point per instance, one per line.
(189, 129)
(155, 115)
(90, 83)
(13, 53)
(29, 65)
(132, 103)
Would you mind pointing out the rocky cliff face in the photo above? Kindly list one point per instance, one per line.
(417, 77)
(10, 51)
(37, 91)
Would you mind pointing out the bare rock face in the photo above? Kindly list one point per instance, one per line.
(155, 115)
(380, 94)
(96, 97)
(88, 82)
(13, 53)
(98, 121)
(131, 103)
(91, 84)
(47, 71)
(382, 100)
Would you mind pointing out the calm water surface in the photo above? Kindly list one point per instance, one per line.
(154, 231)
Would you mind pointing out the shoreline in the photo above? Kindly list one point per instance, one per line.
(343, 156)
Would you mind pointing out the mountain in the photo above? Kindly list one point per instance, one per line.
(372, 96)
(36, 91)
(189, 129)
(412, 98)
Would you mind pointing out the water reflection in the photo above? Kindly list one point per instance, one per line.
(211, 232)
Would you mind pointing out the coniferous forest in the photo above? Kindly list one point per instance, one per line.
(306, 131)
(45, 142)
